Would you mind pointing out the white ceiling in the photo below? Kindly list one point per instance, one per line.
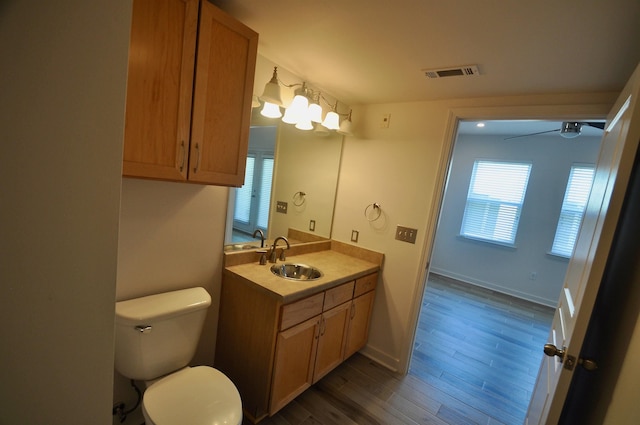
(364, 51)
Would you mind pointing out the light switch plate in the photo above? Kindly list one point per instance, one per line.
(281, 207)
(406, 234)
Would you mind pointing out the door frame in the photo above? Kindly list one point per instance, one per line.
(562, 112)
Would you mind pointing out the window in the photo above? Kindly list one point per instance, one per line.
(573, 206)
(494, 201)
(251, 209)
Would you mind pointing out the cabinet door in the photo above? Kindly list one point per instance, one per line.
(293, 364)
(159, 88)
(360, 314)
(222, 98)
(331, 344)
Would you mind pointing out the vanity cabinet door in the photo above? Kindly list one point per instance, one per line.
(294, 359)
(331, 344)
(359, 317)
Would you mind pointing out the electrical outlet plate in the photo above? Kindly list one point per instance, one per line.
(406, 234)
(312, 225)
(354, 236)
(384, 121)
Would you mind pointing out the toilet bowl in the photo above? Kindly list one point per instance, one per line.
(200, 395)
(156, 338)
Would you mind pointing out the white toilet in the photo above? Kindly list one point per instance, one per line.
(156, 338)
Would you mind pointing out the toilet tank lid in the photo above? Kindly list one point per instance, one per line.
(160, 306)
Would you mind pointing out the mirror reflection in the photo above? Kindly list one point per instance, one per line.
(289, 188)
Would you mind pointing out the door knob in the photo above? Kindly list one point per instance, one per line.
(551, 350)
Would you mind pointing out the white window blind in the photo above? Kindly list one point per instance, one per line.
(265, 192)
(242, 209)
(494, 201)
(573, 207)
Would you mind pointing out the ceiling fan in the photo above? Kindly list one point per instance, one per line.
(569, 129)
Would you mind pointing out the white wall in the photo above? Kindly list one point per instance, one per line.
(171, 237)
(402, 168)
(507, 269)
(62, 77)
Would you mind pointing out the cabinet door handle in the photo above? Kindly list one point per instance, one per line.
(195, 168)
(184, 154)
(353, 311)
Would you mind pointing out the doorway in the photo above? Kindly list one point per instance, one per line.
(495, 271)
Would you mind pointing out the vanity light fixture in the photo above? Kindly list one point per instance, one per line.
(345, 126)
(315, 110)
(332, 120)
(305, 112)
(271, 92)
(298, 108)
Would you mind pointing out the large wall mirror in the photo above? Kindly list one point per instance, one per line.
(290, 182)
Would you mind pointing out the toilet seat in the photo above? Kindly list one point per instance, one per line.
(200, 395)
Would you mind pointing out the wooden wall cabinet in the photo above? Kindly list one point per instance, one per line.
(188, 112)
(308, 339)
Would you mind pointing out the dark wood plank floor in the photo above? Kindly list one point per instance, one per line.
(475, 361)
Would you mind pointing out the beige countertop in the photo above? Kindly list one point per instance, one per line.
(336, 267)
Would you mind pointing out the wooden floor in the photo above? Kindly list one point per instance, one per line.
(475, 361)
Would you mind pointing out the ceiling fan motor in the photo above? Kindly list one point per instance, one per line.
(570, 130)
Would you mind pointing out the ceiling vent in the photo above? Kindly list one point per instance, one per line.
(460, 71)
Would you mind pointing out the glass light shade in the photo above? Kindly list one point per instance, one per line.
(332, 121)
(255, 102)
(271, 92)
(315, 112)
(345, 128)
(304, 123)
(320, 130)
(295, 111)
(271, 110)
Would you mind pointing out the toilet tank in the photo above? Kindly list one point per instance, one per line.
(158, 334)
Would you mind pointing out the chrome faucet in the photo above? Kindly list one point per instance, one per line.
(273, 255)
(259, 232)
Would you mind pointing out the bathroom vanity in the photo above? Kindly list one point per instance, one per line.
(276, 336)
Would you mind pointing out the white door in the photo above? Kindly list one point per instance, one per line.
(585, 270)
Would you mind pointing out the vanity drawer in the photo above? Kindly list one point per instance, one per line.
(299, 311)
(365, 284)
(338, 295)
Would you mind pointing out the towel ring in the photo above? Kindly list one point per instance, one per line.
(301, 198)
(376, 207)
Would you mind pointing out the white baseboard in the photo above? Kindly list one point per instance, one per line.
(381, 358)
(492, 286)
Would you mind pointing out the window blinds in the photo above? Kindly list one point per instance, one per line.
(573, 207)
(494, 201)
